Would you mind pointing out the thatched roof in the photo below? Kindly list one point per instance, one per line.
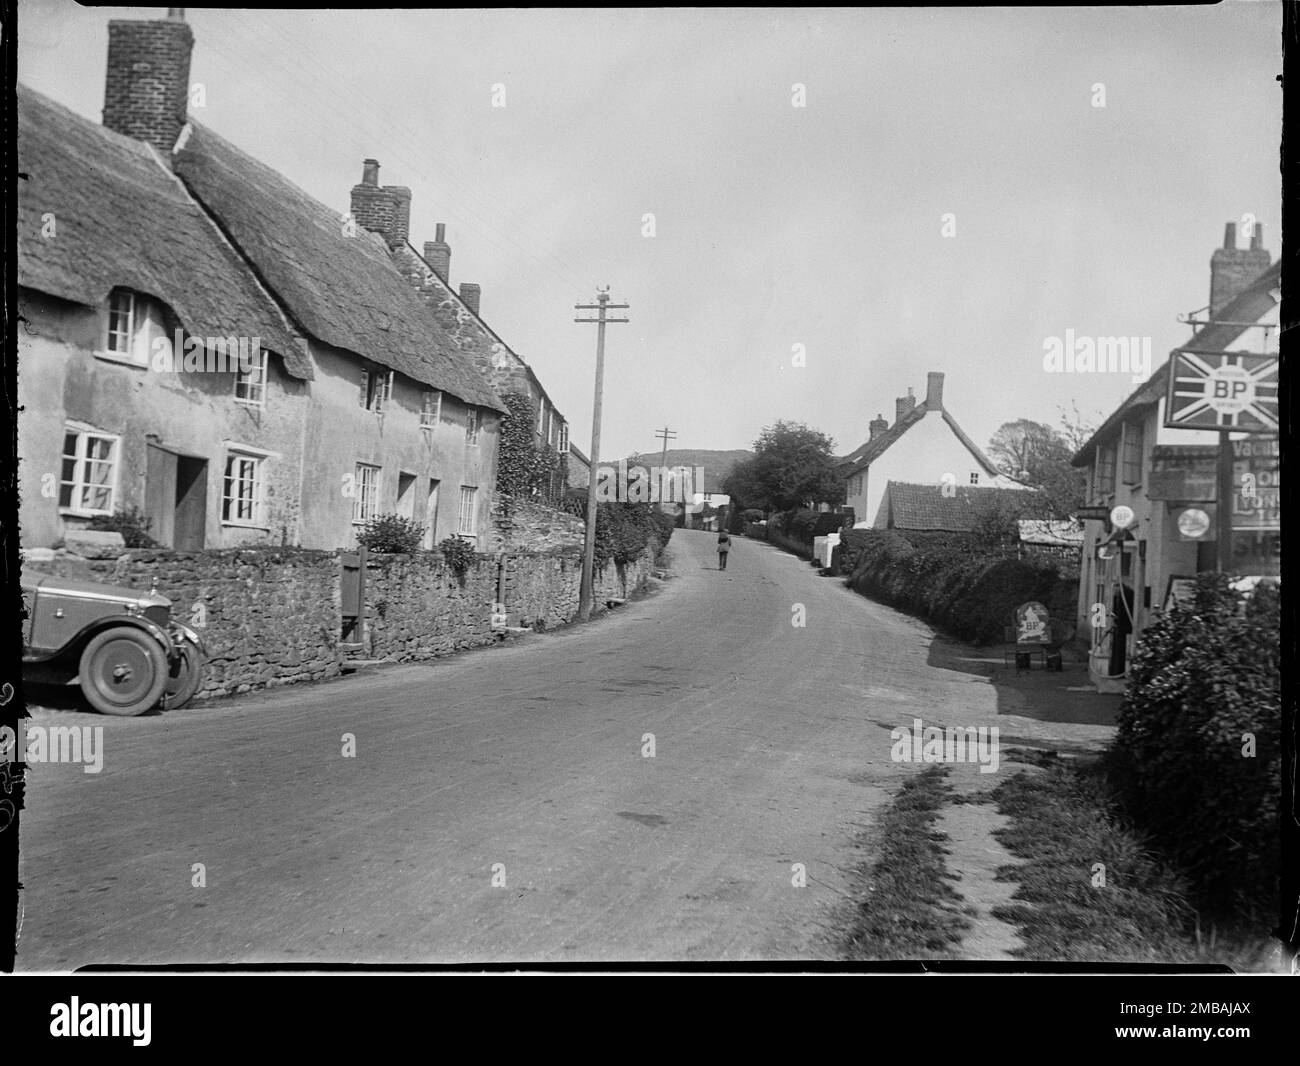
(342, 289)
(121, 219)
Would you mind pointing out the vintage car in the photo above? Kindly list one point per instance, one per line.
(121, 645)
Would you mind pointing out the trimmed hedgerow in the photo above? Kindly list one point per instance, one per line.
(1197, 759)
(623, 530)
(953, 581)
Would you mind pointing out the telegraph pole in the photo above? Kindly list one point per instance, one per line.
(589, 552)
(665, 435)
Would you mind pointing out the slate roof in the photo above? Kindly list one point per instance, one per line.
(1248, 306)
(343, 290)
(911, 506)
(121, 219)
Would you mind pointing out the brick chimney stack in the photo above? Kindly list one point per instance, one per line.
(1232, 269)
(877, 425)
(934, 391)
(902, 405)
(372, 206)
(469, 294)
(147, 88)
(437, 253)
(399, 226)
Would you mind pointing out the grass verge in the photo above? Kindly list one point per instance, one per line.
(1090, 890)
(908, 908)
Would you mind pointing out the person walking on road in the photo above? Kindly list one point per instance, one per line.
(724, 546)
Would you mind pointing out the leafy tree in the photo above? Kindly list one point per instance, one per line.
(1039, 456)
(792, 466)
(391, 533)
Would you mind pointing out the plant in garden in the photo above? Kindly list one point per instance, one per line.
(391, 533)
(131, 522)
(458, 553)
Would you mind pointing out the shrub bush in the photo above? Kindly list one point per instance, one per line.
(458, 553)
(131, 522)
(1205, 676)
(391, 533)
(623, 529)
(954, 582)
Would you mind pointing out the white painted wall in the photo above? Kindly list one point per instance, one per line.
(922, 456)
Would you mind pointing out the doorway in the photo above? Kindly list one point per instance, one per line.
(176, 497)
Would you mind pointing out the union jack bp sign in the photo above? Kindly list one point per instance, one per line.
(1225, 391)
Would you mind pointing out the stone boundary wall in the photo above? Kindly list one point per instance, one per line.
(272, 616)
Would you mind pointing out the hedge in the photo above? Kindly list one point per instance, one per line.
(1204, 686)
(951, 580)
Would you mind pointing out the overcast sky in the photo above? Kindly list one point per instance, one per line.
(774, 225)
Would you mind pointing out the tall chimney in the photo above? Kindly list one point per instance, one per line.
(934, 391)
(903, 404)
(148, 83)
(437, 253)
(469, 294)
(399, 225)
(877, 425)
(1232, 269)
(372, 206)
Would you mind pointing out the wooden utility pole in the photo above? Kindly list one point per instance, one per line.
(665, 435)
(1225, 493)
(589, 552)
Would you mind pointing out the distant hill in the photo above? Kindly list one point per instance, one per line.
(717, 464)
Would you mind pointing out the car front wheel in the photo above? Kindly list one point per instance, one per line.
(123, 671)
(185, 676)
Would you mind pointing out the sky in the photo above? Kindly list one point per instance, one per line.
(774, 226)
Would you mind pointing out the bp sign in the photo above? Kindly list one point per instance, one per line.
(1223, 391)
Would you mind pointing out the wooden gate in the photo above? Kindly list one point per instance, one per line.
(352, 600)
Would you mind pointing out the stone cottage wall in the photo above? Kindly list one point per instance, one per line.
(272, 616)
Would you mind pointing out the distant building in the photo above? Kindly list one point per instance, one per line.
(924, 446)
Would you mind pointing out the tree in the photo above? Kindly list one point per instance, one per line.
(1039, 456)
(793, 466)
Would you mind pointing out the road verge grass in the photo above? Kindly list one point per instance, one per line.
(907, 908)
(1090, 890)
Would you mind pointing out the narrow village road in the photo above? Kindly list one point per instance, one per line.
(771, 748)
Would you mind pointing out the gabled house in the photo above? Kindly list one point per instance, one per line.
(924, 446)
(349, 400)
(1167, 477)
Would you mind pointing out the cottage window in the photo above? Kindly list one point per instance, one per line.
(250, 385)
(365, 502)
(431, 410)
(974, 477)
(468, 511)
(241, 493)
(88, 482)
(376, 390)
(132, 326)
(564, 438)
(1104, 483)
(471, 426)
(1132, 463)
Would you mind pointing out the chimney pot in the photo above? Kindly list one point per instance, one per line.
(469, 294)
(437, 254)
(370, 172)
(1232, 269)
(934, 391)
